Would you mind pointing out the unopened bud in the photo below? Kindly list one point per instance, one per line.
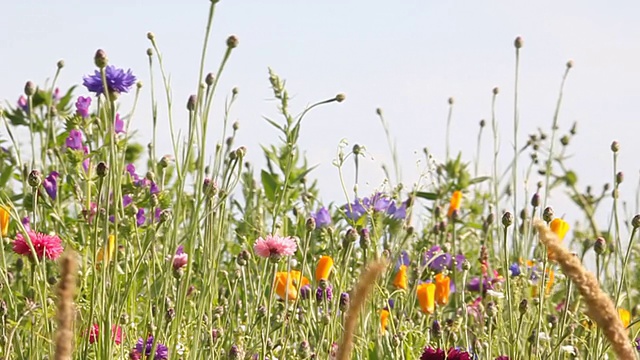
(547, 214)
(35, 178)
(600, 246)
(518, 42)
(311, 224)
(524, 305)
(615, 146)
(636, 221)
(100, 59)
(29, 88)
(507, 219)
(191, 102)
(149, 52)
(535, 200)
(564, 140)
(496, 90)
(340, 97)
(232, 41)
(60, 64)
(210, 79)
(569, 64)
(619, 177)
(102, 169)
(483, 123)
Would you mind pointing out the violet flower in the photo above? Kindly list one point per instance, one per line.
(74, 141)
(118, 81)
(322, 217)
(50, 184)
(82, 106)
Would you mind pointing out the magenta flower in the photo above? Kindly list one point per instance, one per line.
(140, 218)
(118, 81)
(23, 104)
(50, 185)
(118, 125)
(82, 106)
(45, 246)
(74, 141)
(430, 353)
(116, 334)
(180, 259)
(274, 247)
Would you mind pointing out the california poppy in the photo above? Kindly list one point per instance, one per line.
(443, 288)
(287, 284)
(325, 264)
(401, 280)
(4, 220)
(426, 297)
(625, 316)
(560, 228)
(384, 320)
(454, 203)
(111, 247)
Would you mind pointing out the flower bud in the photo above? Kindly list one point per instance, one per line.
(636, 221)
(344, 301)
(191, 102)
(450, 100)
(340, 97)
(507, 219)
(518, 42)
(165, 215)
(149, 52)
(547, 214)
(615, 146)
(236, 126)
(564, 140)
(311, 224)
(151, 35)
(619, 177)
(535, 200)
(241, 152)
(232, 41)
(102, 169)
(524, 305)
(600, 246)
(351, 235)
(365, 239)
(100, 59)
(29, 88)
(60, 64)
(496, 90)
(35, 178)
(483, 123)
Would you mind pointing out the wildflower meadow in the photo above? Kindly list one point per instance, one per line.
(113, 250)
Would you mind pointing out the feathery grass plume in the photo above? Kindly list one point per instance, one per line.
(65, 314)
(363, 288)
(599, 306)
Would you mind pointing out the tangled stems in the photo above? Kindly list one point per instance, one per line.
(508, 280)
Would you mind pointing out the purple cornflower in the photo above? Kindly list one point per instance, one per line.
(140, 218)
(397, 212)
(82, 106)
(118, 125)
(322, 217)
(390, 304)
(23, 103)
(162, 352)
(436, 259)
(50, 184)
(514, 269)
(180, 259)
(355, 210)
(131, 169)
(74, 141)
(126, 200)
(118, 81)
(154, 189)
(379, 202)
(26, 223)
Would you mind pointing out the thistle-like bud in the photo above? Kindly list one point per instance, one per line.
(365, 238)
(191, 102)
(35, 178)
(615, 146)
(619, 177)
(507, 219)
(232, 41)
(29, 88)
(210, 79)
(102, 169)
(535, 200)
(636, 221)
(100, 59)
(344, 301)
(311, 224)
(600, 245)
(547, 214)
(340, 97)
(60, 64)
(518, 42)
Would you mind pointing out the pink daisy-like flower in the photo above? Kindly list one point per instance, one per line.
(274, 247)
(45, 246)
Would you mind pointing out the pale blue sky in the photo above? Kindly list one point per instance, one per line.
(406, 57)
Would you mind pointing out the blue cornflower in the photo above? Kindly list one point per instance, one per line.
(355, 210)
(514, 269)
(162, 352)
(397, 212)
(118, 81)
(322, 217)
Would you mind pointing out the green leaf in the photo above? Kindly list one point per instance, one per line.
(479, 179)
(270, 184)
(427, 195)
(5, 176)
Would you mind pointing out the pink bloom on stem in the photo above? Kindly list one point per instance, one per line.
(45, 246)
(180, 259)
(275, 246)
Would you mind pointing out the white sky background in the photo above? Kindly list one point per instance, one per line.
(406, 57)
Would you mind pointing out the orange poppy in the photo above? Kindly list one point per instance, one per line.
(426, 297)
(325, 264)
(443, 288)
(4, 220)
(288, 284)
(384, 320)
(454, 203)
(401, 281)
(560, 228)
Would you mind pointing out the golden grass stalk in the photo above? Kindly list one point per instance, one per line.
(600, 308)
(65, 313)
(363, 288)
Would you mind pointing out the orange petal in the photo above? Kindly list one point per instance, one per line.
(443, 287)
(4, 220)
(625, 316)
(426, 294)
(454, 203)
(325, 264)
(384, 320)
(401, 280)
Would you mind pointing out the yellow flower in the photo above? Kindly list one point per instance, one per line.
(443, 287)
(288, 284)
(401, 280)
(4, 220)
(426, 297)
(454, 203)
(384, 320)
(325, 264)
(111, 248)
(549, 282)
(560, 228)
(625, 316)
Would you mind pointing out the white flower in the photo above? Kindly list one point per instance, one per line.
(495, 294)
(543, 336)
(569, 349)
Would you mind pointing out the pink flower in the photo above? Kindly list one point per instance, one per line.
(274, 247)
(180, 259)
(116, 334)
(45, 246)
